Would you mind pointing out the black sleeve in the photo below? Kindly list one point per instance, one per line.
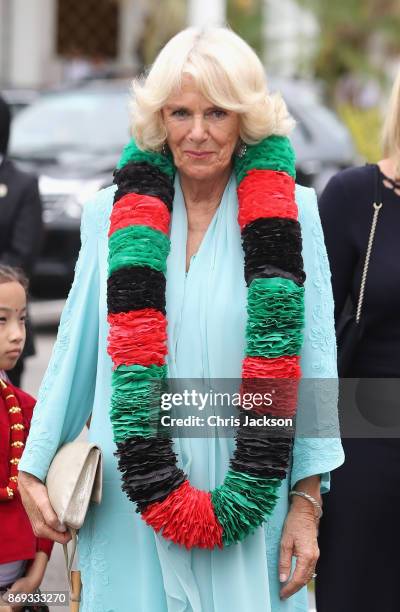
(27, 231)
(337, 214)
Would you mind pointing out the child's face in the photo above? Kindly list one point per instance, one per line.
(12, 323)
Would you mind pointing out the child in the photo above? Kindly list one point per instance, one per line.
(23, 556)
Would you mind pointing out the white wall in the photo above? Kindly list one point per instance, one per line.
(132, 13)
(31, 41)
(5, 13)
(290, 37)
(206, 12)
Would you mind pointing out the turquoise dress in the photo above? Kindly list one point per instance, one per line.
(125, 566)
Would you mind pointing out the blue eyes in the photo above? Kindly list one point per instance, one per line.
(179, 113)
(216, 113)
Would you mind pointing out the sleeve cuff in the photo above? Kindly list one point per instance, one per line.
(329, 457)
(45, 546)
(27, 464)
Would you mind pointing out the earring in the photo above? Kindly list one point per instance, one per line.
(165, 149)
(242, 149)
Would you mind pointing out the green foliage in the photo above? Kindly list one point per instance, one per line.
(246, 19)
(348, 27)
(365, 127)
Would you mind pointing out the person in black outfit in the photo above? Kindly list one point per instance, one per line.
(20, 221)
(359, 539)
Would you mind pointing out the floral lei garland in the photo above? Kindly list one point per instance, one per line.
(17, 439)
(138, 249)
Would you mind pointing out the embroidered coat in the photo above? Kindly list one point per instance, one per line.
(125, 565)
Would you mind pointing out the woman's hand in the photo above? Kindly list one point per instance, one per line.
(35, 499)
(299, 539)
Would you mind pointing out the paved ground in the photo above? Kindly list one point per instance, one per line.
(47, 315)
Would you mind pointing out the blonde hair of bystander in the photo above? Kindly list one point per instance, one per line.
(391, 127)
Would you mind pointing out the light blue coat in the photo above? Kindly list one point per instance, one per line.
(125, 566)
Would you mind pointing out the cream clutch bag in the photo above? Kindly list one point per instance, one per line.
(74, 479)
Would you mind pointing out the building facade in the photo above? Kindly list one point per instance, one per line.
(41, 40)
(46, 42)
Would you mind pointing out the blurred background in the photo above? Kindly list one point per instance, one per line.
(66, 66)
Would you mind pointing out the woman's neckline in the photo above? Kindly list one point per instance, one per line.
(394, 185)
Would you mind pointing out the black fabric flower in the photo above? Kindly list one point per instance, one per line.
(273, 242)
(149, 470)
(269, 271)
(135, 288)
(145, 179)
(259, 453)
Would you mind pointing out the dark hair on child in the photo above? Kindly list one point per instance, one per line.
(11, 275)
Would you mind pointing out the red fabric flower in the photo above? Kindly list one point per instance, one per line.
(137, 337)
(136, 209)
(186, 517)
(266, 193)
(274, 378)
(287, 366)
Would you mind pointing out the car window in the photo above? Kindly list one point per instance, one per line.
(84, 121)
(324, 119)
(312, 117)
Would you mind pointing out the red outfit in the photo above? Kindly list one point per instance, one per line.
(17, 540)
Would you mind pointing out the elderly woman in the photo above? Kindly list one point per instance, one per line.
(203, 230)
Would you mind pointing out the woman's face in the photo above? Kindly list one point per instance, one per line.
(201, 136)
(12, 323)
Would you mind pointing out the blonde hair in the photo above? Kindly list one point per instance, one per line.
(226, 71)
(391, 127)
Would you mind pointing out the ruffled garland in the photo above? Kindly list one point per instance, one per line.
(137, 343)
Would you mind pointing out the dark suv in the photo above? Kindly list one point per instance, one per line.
(72, 140)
